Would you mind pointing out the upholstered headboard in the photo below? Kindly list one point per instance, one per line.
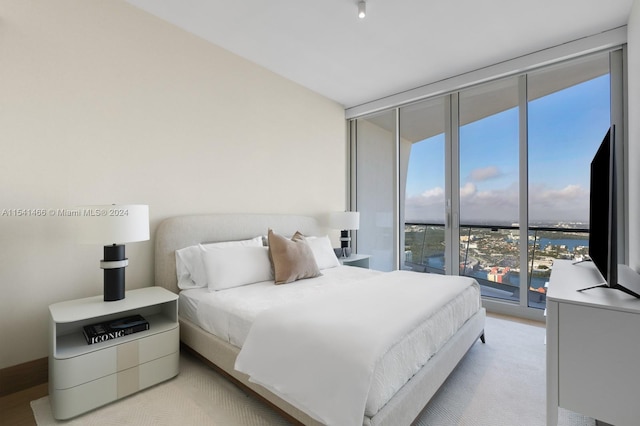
(184, 231)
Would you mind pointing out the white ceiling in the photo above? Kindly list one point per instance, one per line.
(400, 45)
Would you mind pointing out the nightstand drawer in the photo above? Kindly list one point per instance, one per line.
(70, 402)
(94, 365)
(67, 403)
(159, 345)
(72, 372)
(154, 372)
(147, 374)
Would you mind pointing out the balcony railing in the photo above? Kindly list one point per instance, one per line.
(491, 254)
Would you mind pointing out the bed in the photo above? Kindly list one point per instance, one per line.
(390, 398)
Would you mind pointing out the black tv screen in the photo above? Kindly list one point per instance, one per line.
(602, 211)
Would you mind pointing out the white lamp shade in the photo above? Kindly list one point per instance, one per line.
(344, 220)
(113, 224)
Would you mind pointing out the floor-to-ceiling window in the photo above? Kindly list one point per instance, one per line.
(491, 180)
(489, 187)
(569, 114)
(422, 185)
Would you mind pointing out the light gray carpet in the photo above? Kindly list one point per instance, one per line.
(499, 383)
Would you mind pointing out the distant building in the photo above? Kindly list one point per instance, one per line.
(499, 275)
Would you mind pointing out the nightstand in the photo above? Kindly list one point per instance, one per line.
(83, 377)
(359, 260)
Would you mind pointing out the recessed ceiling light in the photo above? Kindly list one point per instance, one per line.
(362, 9)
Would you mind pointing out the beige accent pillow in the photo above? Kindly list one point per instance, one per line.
(291, 259)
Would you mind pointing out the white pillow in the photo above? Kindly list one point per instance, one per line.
(228, 267)
(189, 268)
(323, 252)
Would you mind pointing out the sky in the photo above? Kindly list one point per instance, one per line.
(565, 129)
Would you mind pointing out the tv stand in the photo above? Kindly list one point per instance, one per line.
(592, 345)
(603, 285)
(629, 281)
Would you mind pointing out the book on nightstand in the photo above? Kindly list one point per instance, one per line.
(101, 332)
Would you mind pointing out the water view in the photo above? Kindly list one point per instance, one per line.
(491, 255)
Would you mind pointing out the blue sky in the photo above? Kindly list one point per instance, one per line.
(565, 129)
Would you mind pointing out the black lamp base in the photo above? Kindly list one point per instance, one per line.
(345, 239)
(113, 284)
(113, 264)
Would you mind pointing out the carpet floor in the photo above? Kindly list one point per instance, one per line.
(498, 383)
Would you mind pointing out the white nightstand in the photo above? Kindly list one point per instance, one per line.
(83, 377)
(360, 260)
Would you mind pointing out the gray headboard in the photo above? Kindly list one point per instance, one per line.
(184, 231)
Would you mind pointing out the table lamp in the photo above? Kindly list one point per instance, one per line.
(345, 221)
(113, 226)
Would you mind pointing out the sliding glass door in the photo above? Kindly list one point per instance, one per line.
(423, 180)
(569, 114)
(489, 187)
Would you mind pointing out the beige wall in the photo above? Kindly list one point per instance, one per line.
(101, 103)
(633, 55)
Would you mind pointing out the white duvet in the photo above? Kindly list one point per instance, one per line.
(320, 354)
(229, 313)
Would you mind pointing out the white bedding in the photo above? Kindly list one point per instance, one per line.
(230, 313)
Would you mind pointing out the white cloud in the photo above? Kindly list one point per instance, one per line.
(428, 206)
(484, 173)
(568, 203)
(468, 190)
(434, 193)
(569, 192)
(501, 205)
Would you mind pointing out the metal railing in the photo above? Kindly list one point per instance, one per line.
(491, 254)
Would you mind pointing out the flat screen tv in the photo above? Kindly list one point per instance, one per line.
(603, 237)
(603, 241)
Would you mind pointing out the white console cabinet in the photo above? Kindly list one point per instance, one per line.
(593, 346)
(83, 377)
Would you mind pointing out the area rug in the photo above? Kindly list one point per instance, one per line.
(498, 383)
